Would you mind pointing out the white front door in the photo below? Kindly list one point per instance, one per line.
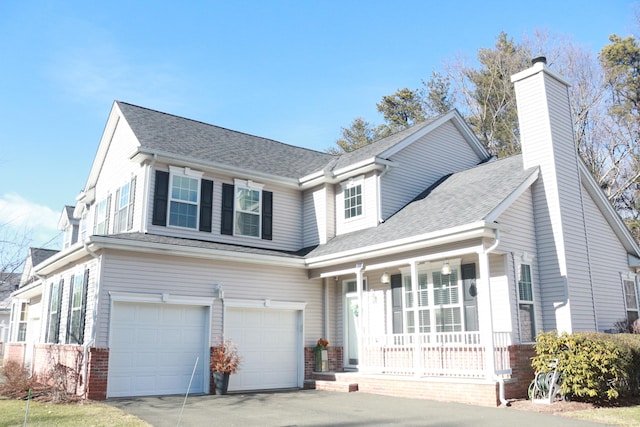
(351, 327)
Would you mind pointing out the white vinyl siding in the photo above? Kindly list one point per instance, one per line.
(368, 216)
(157, 275)
(117, 165)
(318, 215)
(421, 164)
(287, 218)
(608, 260)
(547, 142)
(518, 242)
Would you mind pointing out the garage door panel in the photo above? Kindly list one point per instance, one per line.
(269, 342)
(154, 353)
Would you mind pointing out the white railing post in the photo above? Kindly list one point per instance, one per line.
(360, 325)
(417, 354)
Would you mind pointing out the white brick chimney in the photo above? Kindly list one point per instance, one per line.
(546, 136)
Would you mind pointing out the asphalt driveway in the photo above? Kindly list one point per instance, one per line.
(323, 408)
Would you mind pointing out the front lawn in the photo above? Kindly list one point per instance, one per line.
(12, 413)
(619, 416)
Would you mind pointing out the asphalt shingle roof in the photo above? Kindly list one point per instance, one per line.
(190, 138)
(463, 198)
(193, 243)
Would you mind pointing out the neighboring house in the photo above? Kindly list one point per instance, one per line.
(8, 284)
(25, 305)
(428, 265)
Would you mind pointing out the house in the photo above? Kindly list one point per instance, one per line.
(8, 283)
(428, 265)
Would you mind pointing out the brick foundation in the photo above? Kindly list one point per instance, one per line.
(521, 371)
(336, 363)
(97, 373)
(14, 352)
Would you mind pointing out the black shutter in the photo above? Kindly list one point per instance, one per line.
(206, 204)
(83, 313)
(227, 209)
(396, 303)
(160, 198)
(56, 338)
(116, 213)
(132, 198)
(68, 333)
(107, 215)
(267, 215)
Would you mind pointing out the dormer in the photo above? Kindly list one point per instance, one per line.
(69, 225)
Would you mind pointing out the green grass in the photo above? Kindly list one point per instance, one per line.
(12, 413)
(622, 416)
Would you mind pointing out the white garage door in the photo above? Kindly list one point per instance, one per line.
(269, 342)
(153, 349)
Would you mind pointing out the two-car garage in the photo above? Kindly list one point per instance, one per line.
(156, 347)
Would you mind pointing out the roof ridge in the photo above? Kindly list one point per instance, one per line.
(221, 127)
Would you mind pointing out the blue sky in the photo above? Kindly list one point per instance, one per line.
(293, 71)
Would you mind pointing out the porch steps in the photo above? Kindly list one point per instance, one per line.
(334, 381)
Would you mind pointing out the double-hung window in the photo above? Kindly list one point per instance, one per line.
(123, 213)
(437, 305)
(55, 300)
(423, 308)
(248, 208)
(353, 199)
(22, 322)
(631, 299)
(184, 197)
(77, 304)
(102, 216)
(526, 307)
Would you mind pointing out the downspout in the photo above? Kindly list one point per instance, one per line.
(86, 345)
(496, 377)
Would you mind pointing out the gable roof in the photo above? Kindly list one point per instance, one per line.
(166, 133)
(386, 146)
(465, 198)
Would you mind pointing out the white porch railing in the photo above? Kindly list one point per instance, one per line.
(447, 354)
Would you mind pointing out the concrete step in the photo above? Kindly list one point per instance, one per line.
(341, 386)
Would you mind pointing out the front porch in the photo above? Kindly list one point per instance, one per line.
(449, 371)
(441, 354)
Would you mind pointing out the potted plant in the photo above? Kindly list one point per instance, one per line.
(225, 361)
(322, 357)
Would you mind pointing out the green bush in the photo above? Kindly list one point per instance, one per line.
(594, 366)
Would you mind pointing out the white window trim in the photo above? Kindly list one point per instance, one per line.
(248, 184)
(118, 210)
(186, 173)
(528, 259)
(104, 217)
(70, 310)
(428, 268)
(630, 277)
(353, 182)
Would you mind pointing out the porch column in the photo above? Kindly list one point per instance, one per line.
(485, 317)
(417, 359)
(360, 323)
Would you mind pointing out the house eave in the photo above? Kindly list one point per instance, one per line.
(456, 234)
(146, 155)
(359, 168)
(105, 242)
